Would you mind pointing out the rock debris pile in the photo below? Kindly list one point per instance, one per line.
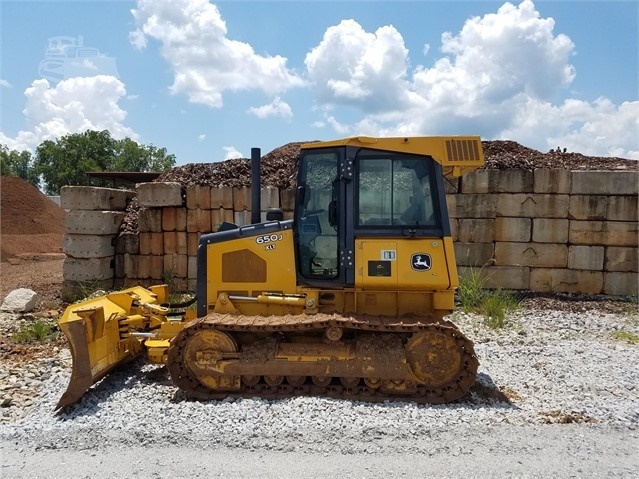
(130, 221)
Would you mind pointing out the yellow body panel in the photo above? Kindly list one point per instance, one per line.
(386, 264)
(156, 349)
(251, 265)
(387, 283)
(451, 263)
(458, 155)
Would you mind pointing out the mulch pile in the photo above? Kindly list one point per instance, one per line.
(503, 154)
(29, 221)
(279, 167)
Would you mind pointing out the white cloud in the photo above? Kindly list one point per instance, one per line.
(138, 39)
(276, 108)
(512, 51)
(500, 76)
(598, 129)
(201, 137)
(230, 153)
(205, 62)
(351, 66)
(4, 83)
(73, 105)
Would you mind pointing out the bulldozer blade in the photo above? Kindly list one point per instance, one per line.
(81, 378)
(92, 329)
(85, 372)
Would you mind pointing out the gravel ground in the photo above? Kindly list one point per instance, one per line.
(557, 395)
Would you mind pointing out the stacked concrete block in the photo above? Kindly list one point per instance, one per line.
(221, 206)
(127, 250)
(92, 222)
(162, 234)
(497, 181)
(158, 195)
(171, 221)
(242, 206)
(608, 229)
(550, 230)
(269, 198)
(287, 203)
(555, 181)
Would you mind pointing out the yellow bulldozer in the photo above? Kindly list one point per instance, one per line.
(348, 299)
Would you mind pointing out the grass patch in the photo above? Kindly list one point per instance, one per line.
(37, 331)
(169, 280)
(633, 309)
(471, 290)
(627, 336)
(492, 304)
(182, 300)
(83, 290)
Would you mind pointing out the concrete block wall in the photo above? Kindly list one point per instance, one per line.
(548, 230)
(92, 222)
(172, 219)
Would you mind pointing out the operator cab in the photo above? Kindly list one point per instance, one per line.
(349, 192)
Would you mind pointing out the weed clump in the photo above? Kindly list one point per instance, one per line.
(493, 304)
(37, 331)
(626, 336)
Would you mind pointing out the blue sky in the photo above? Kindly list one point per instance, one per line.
(208, 81)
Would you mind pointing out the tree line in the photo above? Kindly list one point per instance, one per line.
(66, 160)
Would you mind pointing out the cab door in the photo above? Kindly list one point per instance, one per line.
(400, 223)
(320, 219)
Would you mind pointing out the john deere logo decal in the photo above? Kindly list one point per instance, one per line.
(421, 261)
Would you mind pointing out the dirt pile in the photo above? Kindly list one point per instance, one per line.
(279, 167)
(31, 231)
(29, 221)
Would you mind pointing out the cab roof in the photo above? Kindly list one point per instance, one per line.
(458, 155)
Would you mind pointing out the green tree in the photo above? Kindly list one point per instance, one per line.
(158, 159)
(131, 156)
(67, 160)
(17, 163)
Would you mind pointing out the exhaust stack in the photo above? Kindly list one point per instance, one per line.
(256, 186)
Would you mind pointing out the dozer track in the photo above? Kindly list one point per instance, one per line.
(362, 358)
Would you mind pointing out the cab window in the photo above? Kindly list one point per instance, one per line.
(316, 215)
(395, 191)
